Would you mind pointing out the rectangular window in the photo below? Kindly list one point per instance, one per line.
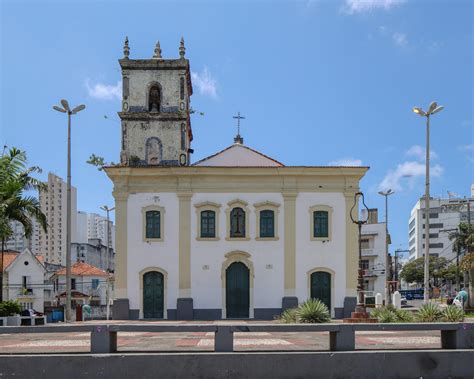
(364, 264)
(95, 284)
(208, 224)
(153, 223)
(321, 224)
(364, 243)
(73, 283)
(237, 223)
(267, 224)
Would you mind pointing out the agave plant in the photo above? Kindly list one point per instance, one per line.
(404, 316)
(452, 313)
(288, 316)
(429, 312)
(313, 311)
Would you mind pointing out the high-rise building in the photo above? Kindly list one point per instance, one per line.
(54, 205)
(445, 216)
(94, 226)
(18, 240)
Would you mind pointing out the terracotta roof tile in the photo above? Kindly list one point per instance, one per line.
(83, 269)
(8, 257)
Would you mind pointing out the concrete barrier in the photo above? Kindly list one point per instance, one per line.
(360, 364)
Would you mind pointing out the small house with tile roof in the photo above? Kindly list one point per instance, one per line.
(234, 235)
(24, 279)
(88, 284)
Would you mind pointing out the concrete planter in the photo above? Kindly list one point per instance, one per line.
(13, 320)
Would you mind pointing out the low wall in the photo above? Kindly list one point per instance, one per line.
(360, 364)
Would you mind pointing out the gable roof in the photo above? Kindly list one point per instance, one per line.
(37, 258)
(8, 257)
(238, 155)
(82, 269)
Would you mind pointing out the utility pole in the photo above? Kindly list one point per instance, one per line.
(388, 300)
(66, 109)
(107, 295)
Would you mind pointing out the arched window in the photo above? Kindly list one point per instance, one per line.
(208, 224)
(237, 223)
(153, 227)
(321, 224)
(267, 223)
(154, 99)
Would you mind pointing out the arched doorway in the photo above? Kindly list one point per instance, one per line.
(321, 287)
(237, 290)
(153, 295)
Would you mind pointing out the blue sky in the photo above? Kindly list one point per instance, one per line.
(319, 82)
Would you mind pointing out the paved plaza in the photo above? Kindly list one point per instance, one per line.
(202, 341)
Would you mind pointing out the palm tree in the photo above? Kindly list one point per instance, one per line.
(15, 180)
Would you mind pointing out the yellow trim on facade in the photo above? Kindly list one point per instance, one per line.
(320, 207)
(263, 206)
(245, 258)
(352, 255)
(165, 289)
(121, 259)
(184, 244)
(162, 222)
(289, 200)
(207, 206)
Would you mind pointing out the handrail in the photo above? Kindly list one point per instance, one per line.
(341, 336)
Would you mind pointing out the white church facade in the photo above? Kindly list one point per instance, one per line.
(235, 235)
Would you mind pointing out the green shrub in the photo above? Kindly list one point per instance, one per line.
(429, 312)
(453, 313)
(9, 308)
(313, 311)
(289, 316)
(391, 314)
(404, 316)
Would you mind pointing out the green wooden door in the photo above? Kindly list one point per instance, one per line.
(321, 287)
(237, 291)
(153, 295)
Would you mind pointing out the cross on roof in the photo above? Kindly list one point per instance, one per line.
(238, 139)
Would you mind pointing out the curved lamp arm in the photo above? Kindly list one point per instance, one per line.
(361, 195)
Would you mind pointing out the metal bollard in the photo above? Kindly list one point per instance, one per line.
(103, 341)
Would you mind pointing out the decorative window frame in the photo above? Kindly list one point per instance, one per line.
(320, 207)
(237, 203)
(267, 206)
(207, 206)
(162, 222)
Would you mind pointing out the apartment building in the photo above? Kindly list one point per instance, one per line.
(52, 245)
(94, 226)
(445, 216)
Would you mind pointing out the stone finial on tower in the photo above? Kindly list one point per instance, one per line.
(126, 49)
(157, 54)
(182, 49)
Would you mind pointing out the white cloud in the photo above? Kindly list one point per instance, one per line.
(420, 152)
(205, 83)
(104, 91)
(400, 39)
(346, 162)
(361, 6)
(410, 170)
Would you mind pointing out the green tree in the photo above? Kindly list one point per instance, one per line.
(413, 272)
(15, 205)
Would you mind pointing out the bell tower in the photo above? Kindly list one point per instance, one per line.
(156, 127)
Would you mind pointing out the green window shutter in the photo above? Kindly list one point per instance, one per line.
(321, 224)
(153, 224)
(267, 223)
(208, 224)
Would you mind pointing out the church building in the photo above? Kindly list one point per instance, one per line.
(236, 235)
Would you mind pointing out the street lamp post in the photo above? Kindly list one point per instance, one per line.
(432, 109)
(107, 300)
(66, 109)
(387, 271)
(360, 307)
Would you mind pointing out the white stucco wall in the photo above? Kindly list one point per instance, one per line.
(35, 271)
(318, 254)
(207, 257)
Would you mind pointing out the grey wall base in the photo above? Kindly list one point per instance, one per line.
(349, 305)
(338, 313)
(288, 302)
(266, 313)
(121, 309)
(207, 314)
(359, 364)
(184, 308)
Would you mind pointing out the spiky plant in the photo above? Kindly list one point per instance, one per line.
(313, 311)
(288, 316)
(452, 313)
(429, 312)
(404, 316)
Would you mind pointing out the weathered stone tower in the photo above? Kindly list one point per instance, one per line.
(156, 127)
